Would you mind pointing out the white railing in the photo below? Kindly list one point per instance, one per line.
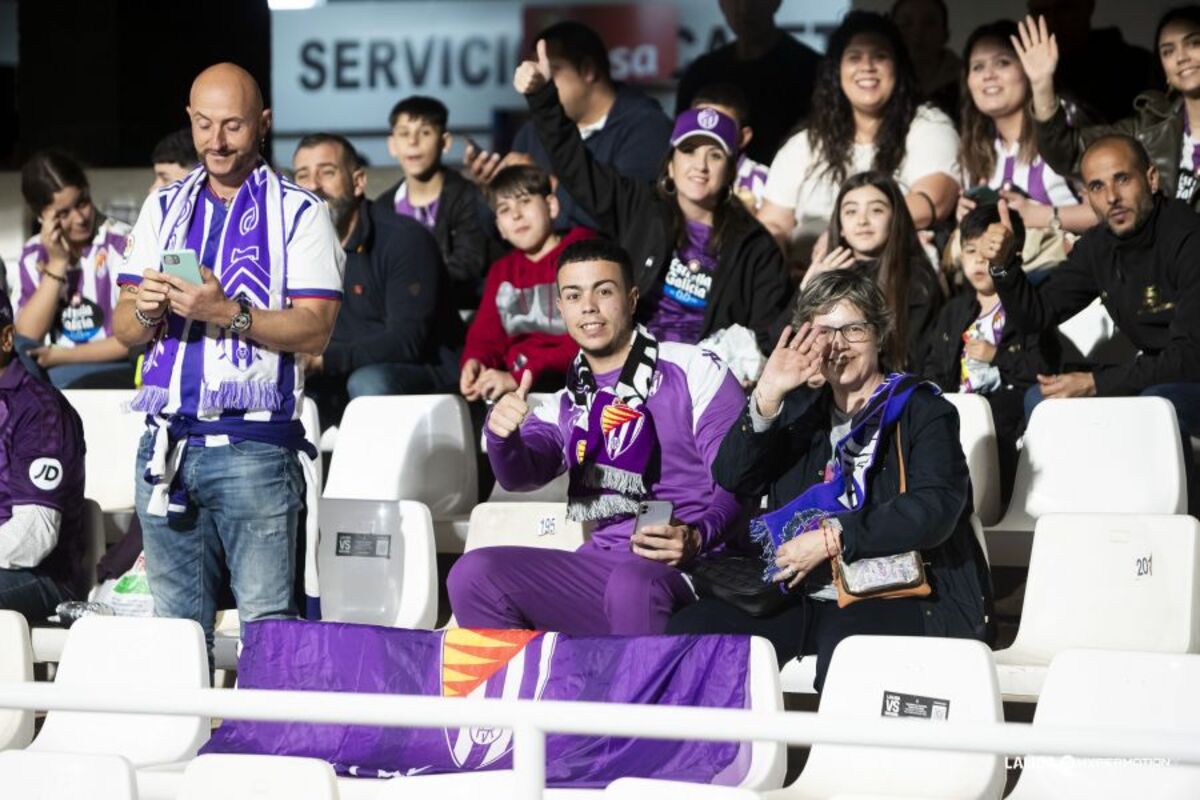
(532, 720)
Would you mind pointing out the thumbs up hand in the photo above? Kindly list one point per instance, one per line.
(996, 244)
(512, 409)
(533, 75)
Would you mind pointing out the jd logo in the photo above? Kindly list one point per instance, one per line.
(46, 473)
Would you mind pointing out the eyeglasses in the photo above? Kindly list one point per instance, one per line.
(852, 332)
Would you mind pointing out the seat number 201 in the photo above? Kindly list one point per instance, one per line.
(1145, 566)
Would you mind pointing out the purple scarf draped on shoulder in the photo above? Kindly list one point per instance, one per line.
(854, 456)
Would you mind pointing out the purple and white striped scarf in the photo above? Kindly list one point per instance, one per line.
(237, 373)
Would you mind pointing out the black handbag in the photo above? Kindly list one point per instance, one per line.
(738, 580)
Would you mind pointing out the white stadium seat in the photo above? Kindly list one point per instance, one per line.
(16, 666)
(977, 433)
(377, 563)
(1091, 335)
(1101, 690)
(129, 652)
(28, 775)
(523, 524)
(1104, 455)
(255, 777)
(112, 433)
(1110, 581)
(864, 674)
(644, 789)
(418, 447)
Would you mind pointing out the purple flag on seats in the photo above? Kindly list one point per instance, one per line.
(656, 670)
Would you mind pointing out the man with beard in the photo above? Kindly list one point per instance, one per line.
(1141, 263)
(397, 332)
(231, 274)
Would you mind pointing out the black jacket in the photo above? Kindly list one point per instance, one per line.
(1150, 284)
(1157, 123)
(395, 304)
(750, 285)
(634, 140)
(1019, 356)
(932, 516)
(462, 235)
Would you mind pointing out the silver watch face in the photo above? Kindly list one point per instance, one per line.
(240, 322)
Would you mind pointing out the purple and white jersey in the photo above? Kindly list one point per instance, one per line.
(426, 215)
(751, 181)
(1035, 179)
(201, 363)
(87, 300)
(694, 401)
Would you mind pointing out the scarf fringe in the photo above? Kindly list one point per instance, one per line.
(598, 507)
(606, 476)
(233, 395)
(150, 399)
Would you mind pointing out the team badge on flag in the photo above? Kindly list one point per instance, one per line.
(620, 426)
(511, 665)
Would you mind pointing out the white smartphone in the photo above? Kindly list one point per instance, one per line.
(654, 512)
(182, 264)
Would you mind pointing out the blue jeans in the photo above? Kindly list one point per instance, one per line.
(91, 375)
(243, 514)
(30, 593)
(386, 379)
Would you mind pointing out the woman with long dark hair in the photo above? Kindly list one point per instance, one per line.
(68, 280)
(872, 231)
(1165, 123)
(866, 117)
(999, 144)
(702, 262)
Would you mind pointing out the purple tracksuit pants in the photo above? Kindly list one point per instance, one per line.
(591, 591)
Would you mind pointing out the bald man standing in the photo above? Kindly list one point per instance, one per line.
(219, 485)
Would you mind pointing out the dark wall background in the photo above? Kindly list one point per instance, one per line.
(106, 79)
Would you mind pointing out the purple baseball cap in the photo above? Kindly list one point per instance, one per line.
(706, 122)
(6, 312)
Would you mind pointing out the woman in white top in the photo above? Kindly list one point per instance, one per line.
(865, 117)
(999, 143)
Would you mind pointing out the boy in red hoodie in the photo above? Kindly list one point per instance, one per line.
(517, 327)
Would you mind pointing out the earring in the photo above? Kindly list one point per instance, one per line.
(666, 185)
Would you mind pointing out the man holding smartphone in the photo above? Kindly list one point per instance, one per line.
(219, 485)
(637, 426)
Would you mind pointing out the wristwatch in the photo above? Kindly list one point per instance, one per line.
(242, 319)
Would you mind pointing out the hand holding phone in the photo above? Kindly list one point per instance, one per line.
(183, 264)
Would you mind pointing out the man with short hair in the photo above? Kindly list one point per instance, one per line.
(173, 158)
(766, 63)
(638, 420)
(621, 126)
(1143, 263)
(219, 484)
(41, 489)
(397, 332)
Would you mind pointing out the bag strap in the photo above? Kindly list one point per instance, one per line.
(900, 456)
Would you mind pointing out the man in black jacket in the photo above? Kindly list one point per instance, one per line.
(397, 332)
(1144, 265)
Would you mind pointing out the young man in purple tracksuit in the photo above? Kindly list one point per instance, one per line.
(638, 420)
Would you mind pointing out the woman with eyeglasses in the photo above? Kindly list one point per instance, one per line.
(868, 465)
(68, 280)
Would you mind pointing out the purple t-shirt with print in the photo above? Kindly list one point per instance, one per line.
(683, 297)
(426, 215)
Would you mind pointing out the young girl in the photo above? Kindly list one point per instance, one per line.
(873, 231)
(68, 280)
(866, 117)
(1164, 123)
(702, 262)
(999, 144)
